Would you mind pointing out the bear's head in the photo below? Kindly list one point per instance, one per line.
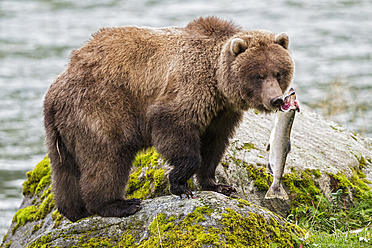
(255, 70)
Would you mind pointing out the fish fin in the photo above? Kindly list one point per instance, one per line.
(276, 192)
(268, 148)
(297, 107)
(270, 169)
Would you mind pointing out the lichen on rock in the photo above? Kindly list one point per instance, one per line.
(37, 190)
(37, 178)
(149, 176)
(209, 219)
(147, 179)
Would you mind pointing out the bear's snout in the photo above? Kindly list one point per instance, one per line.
(276, 102)
(271, 95)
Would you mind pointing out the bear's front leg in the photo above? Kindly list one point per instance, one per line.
(178, 141)
(214, 142)
(184, 169)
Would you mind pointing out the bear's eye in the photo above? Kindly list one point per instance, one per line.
(260, 77)
(278, 76)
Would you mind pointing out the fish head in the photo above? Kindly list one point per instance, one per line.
(290, 102)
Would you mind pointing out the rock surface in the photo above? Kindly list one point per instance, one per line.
(325, 157)
(316, 145)
(209, 219)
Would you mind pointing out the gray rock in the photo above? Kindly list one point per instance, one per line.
(316, 144)
(207, 220)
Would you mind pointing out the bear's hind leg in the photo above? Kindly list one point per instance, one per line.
(103, 183)
(66, 188)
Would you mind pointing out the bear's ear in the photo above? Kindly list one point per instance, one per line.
(237, 46)
(282, 39)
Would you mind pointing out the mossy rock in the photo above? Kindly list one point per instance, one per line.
(323, 160)
(210, 219)
(148, 178)
(38, 178)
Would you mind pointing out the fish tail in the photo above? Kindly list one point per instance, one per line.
(276, 192)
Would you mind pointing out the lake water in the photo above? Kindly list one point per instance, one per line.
(331, 43)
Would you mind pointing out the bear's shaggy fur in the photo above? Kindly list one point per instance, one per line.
(181, 90)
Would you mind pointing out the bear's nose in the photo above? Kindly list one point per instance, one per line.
(276, 102)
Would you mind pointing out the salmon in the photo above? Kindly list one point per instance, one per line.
(280, 144)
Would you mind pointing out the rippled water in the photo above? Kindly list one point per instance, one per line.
(331, 43)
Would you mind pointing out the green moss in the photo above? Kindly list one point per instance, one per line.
(37, 227)
(46, 192)
(224, 164)
(243, 203)
(312, 210)
(38, 178)
(6, 245)
(127, 240)
(33, 213)
(42, 242)
(334, 128)
(9, 244)
(5, 237)
(341, 182)
(46, 180)
(302, 188)
(362, 162)
(316, 173)
(357, 182)
(254, 231)
(262, 179)
(168, 232)
(57, 218)
(148, 178)
(25, 215)
(198, 214)
(247, 146)
(158, 180)
(46, 206)
(235, 231)
(96, 242)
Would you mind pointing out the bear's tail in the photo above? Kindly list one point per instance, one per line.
(65, 172)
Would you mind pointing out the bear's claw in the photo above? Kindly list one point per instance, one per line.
(119, 208)
(181, 190)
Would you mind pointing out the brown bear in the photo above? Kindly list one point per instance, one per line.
(181, 90)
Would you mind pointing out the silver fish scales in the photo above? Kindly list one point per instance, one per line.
(280, 144)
